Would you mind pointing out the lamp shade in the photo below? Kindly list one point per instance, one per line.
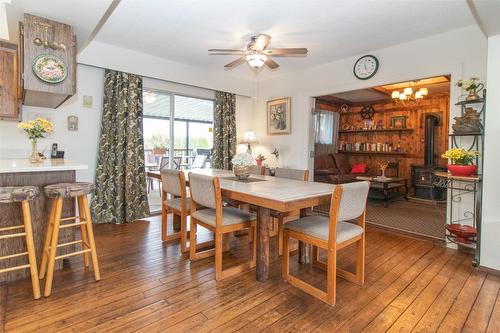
(395, 94)
(256, 60)
(408, 91)
(249, 137)
(424, 91)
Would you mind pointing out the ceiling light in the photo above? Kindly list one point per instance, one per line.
(408, 96)
(256, 60)
(408, 91)
(149, 97)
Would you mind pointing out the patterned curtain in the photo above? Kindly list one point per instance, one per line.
(120, 195)
(224, 130)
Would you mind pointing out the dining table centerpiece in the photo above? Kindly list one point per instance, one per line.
(241, 165)
(461, 161)
(36, 129)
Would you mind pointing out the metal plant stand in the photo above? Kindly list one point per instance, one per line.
(463, 187)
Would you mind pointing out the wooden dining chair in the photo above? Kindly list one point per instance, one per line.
(174, 183)
(277, 226)
(206, 192)
(331, 234)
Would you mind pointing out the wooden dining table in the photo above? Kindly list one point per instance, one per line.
(267, 193)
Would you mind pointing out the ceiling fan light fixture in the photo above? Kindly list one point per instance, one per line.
(256, 60)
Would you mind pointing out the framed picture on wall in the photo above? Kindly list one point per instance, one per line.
(279, 116)
(398, 122)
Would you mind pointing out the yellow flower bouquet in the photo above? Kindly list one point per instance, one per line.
(36, 129)
(461, 161)
(460, 156)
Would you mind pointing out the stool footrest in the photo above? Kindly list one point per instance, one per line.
(72, 218)
(15, 268)
(14, 255)
(70, 243)
(12, 228)
(21, 234)
(73, 254)
(76, 224)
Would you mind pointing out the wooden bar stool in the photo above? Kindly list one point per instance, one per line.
(22, 194)
(59, 192)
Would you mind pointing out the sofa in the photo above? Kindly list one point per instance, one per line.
(334, 169)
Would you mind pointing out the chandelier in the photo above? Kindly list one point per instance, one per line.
(409, 96)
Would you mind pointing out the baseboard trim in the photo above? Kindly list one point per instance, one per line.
(489, 270)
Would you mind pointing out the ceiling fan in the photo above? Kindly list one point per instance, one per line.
(257, 54)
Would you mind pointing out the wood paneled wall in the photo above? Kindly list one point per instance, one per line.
(412, 143)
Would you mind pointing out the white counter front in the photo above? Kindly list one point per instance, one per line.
(24, 165)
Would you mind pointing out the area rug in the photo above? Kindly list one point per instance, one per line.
(410, 217)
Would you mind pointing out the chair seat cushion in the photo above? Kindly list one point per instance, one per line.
(318, 227)
(230, 215)
(68, 190)
(176, 203)
(17, 193)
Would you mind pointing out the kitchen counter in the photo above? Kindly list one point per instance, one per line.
(20, 172)
(24, 165)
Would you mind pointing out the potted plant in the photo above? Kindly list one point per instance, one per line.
(472, 86)
(260, 158)
(36, 129)
(158, 143)
(461, 161)
(241, 165)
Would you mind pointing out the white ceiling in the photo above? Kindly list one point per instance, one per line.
(182, 31)
(83, 15)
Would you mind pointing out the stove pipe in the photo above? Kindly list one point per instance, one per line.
(431, 122)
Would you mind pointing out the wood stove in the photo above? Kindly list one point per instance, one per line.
(423, 175)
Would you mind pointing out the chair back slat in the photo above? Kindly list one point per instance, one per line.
(292, 173)
(203, 191)
(353, 202)
(171, 181)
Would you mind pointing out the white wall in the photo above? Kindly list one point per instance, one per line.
(125, 60)
(81, 145)
(490, 246)
(461, 53)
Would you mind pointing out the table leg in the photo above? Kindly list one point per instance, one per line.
(386, 195)
(263, 218)
(304, 249)
(406, 190)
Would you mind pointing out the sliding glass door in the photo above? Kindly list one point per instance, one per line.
(175, 144)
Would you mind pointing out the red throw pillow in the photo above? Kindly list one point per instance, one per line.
(358, 168)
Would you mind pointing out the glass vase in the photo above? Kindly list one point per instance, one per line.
(34, 158)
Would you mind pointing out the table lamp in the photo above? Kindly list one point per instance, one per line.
(249, 138)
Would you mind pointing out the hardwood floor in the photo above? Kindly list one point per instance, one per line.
(147, 286)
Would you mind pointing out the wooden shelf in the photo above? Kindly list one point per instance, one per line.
(378, 130)
(373, 153)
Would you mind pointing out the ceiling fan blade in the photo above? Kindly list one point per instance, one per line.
(227, 51)
(284, 52)
(271, 63)
(235, 63)
(261, 42)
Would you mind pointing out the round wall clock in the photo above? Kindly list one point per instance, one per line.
(367, 112)
(366, 67)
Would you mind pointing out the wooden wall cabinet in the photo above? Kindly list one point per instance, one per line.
(9, 81)
(35, 32)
